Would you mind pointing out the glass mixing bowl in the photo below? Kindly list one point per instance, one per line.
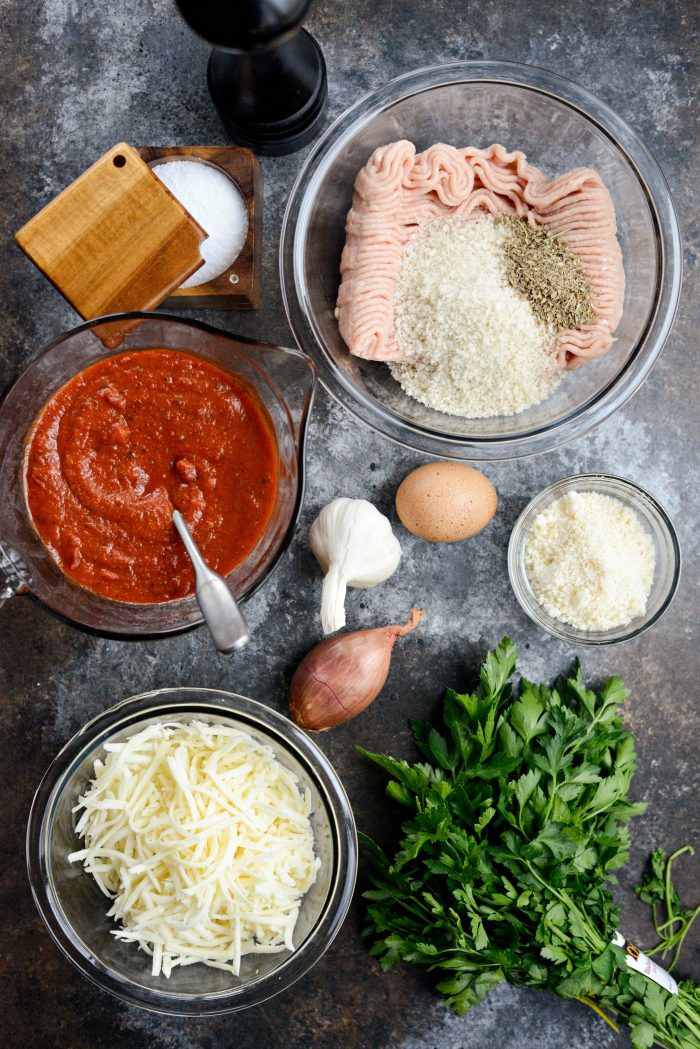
(283, 380)
(74, 909)
(559, 126)
(657, 523)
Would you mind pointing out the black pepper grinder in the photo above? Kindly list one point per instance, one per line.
(267, 75)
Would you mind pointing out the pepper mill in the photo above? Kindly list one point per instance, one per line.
(266, 75)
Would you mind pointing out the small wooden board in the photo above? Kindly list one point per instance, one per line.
(115, 239)
(223, 293)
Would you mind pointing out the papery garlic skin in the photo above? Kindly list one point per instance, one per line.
(355, 546)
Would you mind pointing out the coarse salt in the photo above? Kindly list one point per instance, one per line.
(590, 561)
(219, 207)
(477, 348)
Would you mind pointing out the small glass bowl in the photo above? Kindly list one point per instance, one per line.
(75, 911)
(658, 524)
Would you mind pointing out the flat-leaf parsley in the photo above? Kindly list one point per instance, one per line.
(518, 819)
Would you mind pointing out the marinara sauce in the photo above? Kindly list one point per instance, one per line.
(127, 440)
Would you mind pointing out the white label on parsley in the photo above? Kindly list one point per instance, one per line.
(642, 963)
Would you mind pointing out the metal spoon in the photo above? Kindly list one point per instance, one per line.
(222, 615)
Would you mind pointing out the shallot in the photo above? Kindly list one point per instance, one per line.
(341, 676)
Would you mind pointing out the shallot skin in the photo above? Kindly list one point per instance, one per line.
(341, 676)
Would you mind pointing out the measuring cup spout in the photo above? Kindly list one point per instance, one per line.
(294, 374)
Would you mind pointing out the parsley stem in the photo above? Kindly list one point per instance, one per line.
(667, 878)
(552, 796)
(674, 930)
(680, 937)
(596, 1009)
(691, 1016)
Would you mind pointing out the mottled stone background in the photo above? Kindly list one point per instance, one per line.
(75, 77)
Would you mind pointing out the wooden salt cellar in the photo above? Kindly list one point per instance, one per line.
(115, 239)
(237, 288)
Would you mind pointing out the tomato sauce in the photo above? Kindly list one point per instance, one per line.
(127, 440)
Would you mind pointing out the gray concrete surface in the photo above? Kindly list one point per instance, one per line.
(77, 77)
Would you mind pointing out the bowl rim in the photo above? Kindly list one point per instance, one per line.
(658, 325)
(518, 537)
(177, 702)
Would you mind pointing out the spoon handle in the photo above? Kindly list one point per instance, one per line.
(220, 609)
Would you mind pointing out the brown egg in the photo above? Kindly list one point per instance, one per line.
(445, 502)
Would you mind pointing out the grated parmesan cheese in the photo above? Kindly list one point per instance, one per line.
(478, 349)
(590, 561)
(203, 839)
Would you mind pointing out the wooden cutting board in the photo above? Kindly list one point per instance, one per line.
(115, 239)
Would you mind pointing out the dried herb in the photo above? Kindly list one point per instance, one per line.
(542, 268)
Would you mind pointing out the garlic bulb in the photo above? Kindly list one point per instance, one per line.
(355, 546)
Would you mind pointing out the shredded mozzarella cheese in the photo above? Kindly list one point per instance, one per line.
(204, 841)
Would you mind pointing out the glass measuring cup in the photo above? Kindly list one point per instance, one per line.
(284, 381)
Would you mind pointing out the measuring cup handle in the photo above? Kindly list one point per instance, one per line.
(14, 577)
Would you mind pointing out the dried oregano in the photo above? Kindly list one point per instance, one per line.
(541, 267)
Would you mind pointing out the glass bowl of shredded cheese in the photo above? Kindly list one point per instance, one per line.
(192, 852)
(594, 560)
(559, 127)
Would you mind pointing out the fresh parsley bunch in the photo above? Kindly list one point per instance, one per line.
(519, 816)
